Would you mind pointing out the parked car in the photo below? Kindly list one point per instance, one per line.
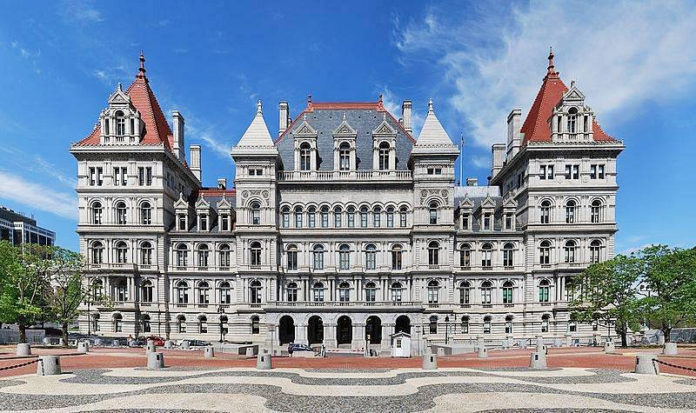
(136, 342)
(298, 347)
(198, 343)
(159, 341)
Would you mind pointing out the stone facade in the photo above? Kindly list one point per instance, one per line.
(345, 228)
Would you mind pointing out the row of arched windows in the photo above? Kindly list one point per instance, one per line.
(344, 257)
(318, 291)
(121, 213)
(202, 257)
(203, 292)
(344, 156)
(486, 253)
(121, 253)
(571, 209)
(570, 252)
(351, 216)
(465, 322)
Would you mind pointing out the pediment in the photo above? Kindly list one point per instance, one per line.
(305, 130)
(466, 203)
(573, 94)
(181, 202)
(384, 129)
(488, 202)
(344, 129)
(509, 202)
(119, 97)
(224, 203)
(202, 203)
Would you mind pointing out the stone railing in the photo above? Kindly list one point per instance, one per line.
(331, 176)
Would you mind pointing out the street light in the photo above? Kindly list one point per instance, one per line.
(446, 329)
(221, 311)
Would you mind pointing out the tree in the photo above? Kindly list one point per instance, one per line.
(66, 292)
(608, 294)
(25, 270)
(669, 275)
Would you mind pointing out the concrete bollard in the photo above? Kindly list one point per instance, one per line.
(48, 366)
(185, 345)
(150, 347)
(670, 349)
(168, 344)
(23, 349)
(263, 361)
(542, 349)
(429, 361)
(46, 341)
(83, 347)
(155, 360)
(482, 352)
(208, 352)
(249, 352)
(537, 360)
(539, 341)
(646, 365)
(609, 347)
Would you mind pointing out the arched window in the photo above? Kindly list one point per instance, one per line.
(487, 324)
(97, 252)
(182, 292)
(225, 293)
(508, 324)
(298, 217)
(390, 217)
(433, 213)
(344, 257)
(396, 292)
(255, 213)
(545, 253)
(377, 217)
(433, 292)
(545, 323)
(595, 251)
(292, 257)
(397, 257)
(403, 217)
(146, 253)
(118, 323)
(545, 212)
(203, 293)
(363, 217)
(465, 293)
(120, 123)
(122, 291)
(285, 212)
(255, 253)
(338, 212)
(181, 255)
(433, 253)
(224, 252)
(486, 288)
(146, 324)
(145, 213)
(544, 287)
(181, 324)
(97, 290)
(350, 212)
(508, 254)
(324, 216)
(203, 255)
(465, 256)
(486, 255)
(569, 250)
(370, 257)
(344, 292)
(311, 217)
(384, 156)
(305, 157)
(433, 324)
(292, 292)
(97, 213)
(121, 252)
(572, 119)
(318, 292)
(202, 324)
(570, 212)
(255, 292)
(121, 213)
(507, 292)
(344, 156)
(596, 211)
(254, 325)
(370, 292)
(318, 257)
(465, 324)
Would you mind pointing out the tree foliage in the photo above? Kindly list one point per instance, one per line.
(66, 291)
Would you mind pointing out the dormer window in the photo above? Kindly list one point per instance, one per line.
(487, 221)
(572, 119)
(465, 221)
(224, 222)
(305, 157)
(508, 221)
(181, 222)
(120, 124)
(203, 218)
(344, 156)
(383, 156)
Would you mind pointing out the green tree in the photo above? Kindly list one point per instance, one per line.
(608, 294)
(669, 275)
(66, 291)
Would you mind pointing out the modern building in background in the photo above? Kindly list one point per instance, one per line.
(20, 229)
(345, 228)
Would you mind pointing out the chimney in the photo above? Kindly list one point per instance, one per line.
(284, 116)
(513, 131)
(471, 182)
(222, 183)
(178, 135)
(406, 115)
(195, 154)
(498, 151)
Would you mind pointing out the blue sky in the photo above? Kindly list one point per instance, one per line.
(634, 61)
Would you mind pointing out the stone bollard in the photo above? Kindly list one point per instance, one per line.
(482, 352)
(83, 347)
(185, 345)
(168, 344)
(542, 349)
(263, 361)
(609, 347)
(208, 352)
(155, 360)
(645, 364)
(23, 349)
(537, 360)
(539, 341)
(48, 366)
(670, 349)
(429, 361)
(150, 347)
(249, 352)
(46, 341)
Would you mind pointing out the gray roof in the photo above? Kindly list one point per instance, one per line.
(363, 118)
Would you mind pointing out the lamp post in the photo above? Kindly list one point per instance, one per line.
(221, 311)
(446, 329)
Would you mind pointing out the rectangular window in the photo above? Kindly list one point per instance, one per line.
(204, 222)
(292, 260)
(508, 221)
(337, 219)
(145, 175)
(324, 219)
(390, 219)
(225, 222)
(546, 172)
(596, 171)
(181, 222)
(402, 219)
(487, 222)
(363, 219)
(465, 221)
(120, 176)
(95, 176)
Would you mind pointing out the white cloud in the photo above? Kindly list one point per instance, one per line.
(482, 162)
(621, 54)
(37, 196)
(81, 11)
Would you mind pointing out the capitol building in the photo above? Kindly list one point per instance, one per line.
(343, 227)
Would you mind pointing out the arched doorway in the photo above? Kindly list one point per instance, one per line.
(402, 324)
(315, 330)
(373, 330)
(286, 333)
(344, 330)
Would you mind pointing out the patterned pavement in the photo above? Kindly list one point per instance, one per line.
(305, 390)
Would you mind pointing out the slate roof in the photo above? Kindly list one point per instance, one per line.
(363, 117)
